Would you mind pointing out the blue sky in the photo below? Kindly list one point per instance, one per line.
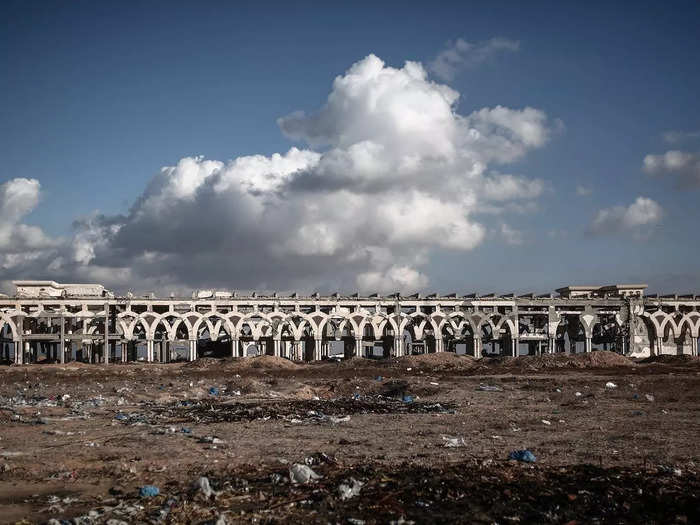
(98, 97)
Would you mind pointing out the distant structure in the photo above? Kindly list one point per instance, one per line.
(48, 321)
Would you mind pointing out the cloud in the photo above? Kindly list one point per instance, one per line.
(674, 137)
(636, 218)
(20, 243)
(511, 236)
(583, 191)
(460, 55)
(384, 174)
(683, 165)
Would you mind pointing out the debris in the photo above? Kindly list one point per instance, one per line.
(610, 385)
(149, 491)
(578, 394)
(522, 455)
(454, 442)
(303, 474)
(546, 422)
(649, 397)
(490, 388)
(213, 391)
(408, 398)
(336, 420)
(202, 485)
(350, 489)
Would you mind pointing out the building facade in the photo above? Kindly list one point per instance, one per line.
(45, 320)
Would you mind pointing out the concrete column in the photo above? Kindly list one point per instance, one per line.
(277, 344)
(539, 347)
(19, 350)
(149, 350)
(193, 350)
(552, 345)
(398, 347)
(659, 345)
(234, 347)
(106, 339)
(589, 345)
(513, 347)
(61, 344)
(317, 349)
(694, 345)
(125, 357)
(438, 345)
(477, 347)
(358, 347)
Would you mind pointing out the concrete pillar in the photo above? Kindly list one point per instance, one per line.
(552, 345)
(438, 345)
(106, 339)
(192, 355)
(61, 344)
(477, 347)
(539, 347)
(125, 356)
(513, 347)
(358, 347)
(277, 343)
(234, 347)
(659, 345)
(317, 349)
(149, 350)
(693, 345)
(19, 351)
(589, 345)
(398, 347)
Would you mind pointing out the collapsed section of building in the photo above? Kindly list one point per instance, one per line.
(48, 321)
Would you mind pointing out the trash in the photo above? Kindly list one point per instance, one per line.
(350, 489)
(490, 388)
(121, 417)
(342, 419)
(203, 486)
(578, 394)
(454, 442)
(522, 455)
(649, 397)
(544, 421)
(434, 383)
(303, 474)
(379, 378)
(408, 399)
(610, 385)
(211, 440)
(213, 391)
(149, 491)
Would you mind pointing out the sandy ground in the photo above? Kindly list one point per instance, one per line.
(79, 441)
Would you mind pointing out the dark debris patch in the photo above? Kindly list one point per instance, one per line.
(212, 411)
(456, 493)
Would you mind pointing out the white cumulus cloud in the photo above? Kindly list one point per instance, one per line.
(636, 218)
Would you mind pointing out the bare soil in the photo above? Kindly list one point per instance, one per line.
(78, 441)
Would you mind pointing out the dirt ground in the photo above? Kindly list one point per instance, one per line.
(416, 439)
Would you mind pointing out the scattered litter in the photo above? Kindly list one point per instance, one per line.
(490, 388)
(546, 422)
(578, 394)
(649, 397)
(149, 491)
(610, 385)
(408, 399)
(302, 474)
(212, 440)
(213, 391)
(203, 486)
(454, 442)
(434, 383)
(350, 489)
(522, 455)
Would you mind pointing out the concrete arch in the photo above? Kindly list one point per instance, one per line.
(7, 320)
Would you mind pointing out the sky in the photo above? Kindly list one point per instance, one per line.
(475, 147)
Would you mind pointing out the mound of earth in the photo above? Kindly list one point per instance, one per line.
(437, 361)
(672, 359)
(597, 359)
(266, 362)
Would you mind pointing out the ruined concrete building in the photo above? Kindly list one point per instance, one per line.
(45, 320)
